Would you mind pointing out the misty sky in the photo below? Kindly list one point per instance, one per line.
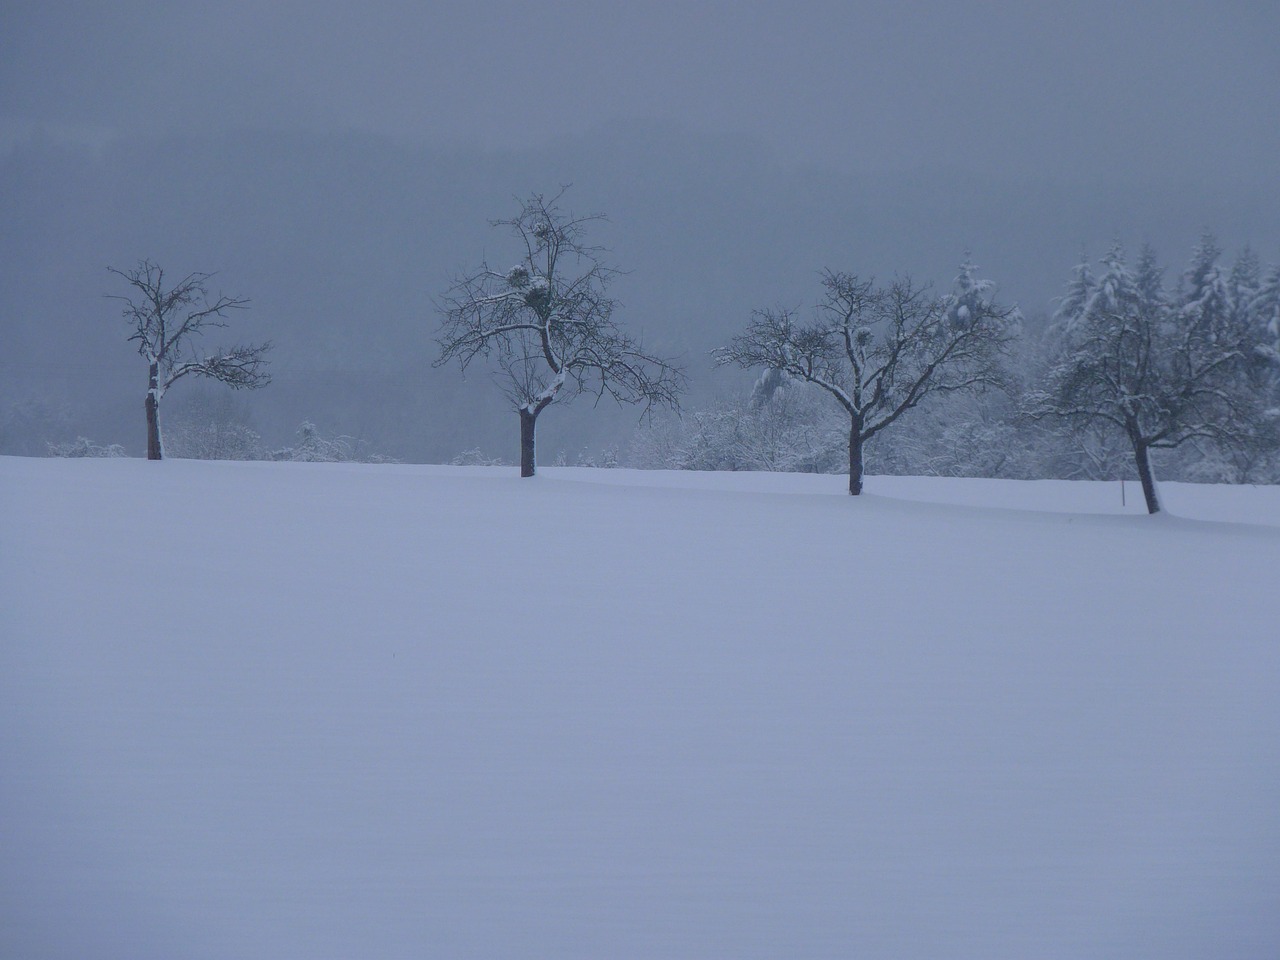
(1086, 90)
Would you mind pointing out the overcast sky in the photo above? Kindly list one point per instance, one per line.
(1176, 89)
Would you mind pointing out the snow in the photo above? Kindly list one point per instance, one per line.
(549, 392)
(277, 710)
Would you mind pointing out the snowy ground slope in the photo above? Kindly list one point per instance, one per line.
(311, 711)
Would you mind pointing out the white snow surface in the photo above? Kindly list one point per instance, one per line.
(278, 710)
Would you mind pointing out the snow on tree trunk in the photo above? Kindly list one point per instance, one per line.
(528, 421)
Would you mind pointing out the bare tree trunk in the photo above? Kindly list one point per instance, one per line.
(1142, 455)
(855, 458)
(155, 450)
(528, 461)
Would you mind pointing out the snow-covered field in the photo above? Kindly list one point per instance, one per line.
(317, 711)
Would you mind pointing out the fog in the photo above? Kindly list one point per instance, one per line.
(1085, 89)
(338, 167)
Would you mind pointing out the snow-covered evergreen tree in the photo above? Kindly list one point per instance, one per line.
(1115, 292)
(1243, 283)
(1204, 302)
(1264, 313)
(972, 298)
(1148, 275)
(1072, 304)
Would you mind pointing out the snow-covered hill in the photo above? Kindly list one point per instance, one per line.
(325, 711)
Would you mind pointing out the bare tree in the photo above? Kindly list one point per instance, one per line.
(880, 351)
(1157, 377)
(164, 323)
(548, 323)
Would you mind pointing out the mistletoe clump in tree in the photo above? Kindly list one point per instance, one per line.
(548, 322)
(165, 321)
